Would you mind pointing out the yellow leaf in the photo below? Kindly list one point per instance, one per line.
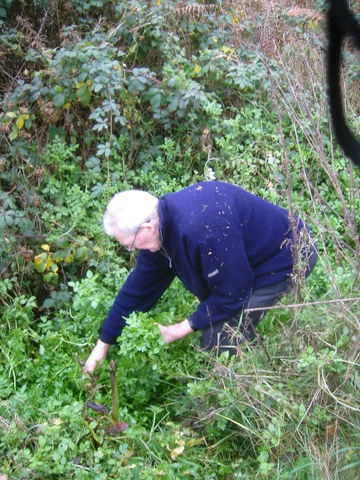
(20, 123)
(40, 262)
(45, 247)
(49, 262)
(54, 268)
(176, 452)
(235, 20)
(197, 69)
(158, 3)
(11, 115)
(67, 106)
(195, 441)
(69, 258)
(38, 259)
(79, 84)
(215, 40)
(227, 50)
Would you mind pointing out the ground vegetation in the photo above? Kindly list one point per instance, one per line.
(101, 96)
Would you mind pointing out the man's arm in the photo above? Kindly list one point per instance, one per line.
(142, 289)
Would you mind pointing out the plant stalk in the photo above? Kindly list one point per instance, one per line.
(114, 392)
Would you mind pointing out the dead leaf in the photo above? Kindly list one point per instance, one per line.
(176, 452)
(117, 428)
(331, 432)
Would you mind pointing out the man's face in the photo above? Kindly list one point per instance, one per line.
(147, 237)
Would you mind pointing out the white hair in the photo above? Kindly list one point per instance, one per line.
(127, 210)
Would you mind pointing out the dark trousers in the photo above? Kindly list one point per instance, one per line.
(227, 335)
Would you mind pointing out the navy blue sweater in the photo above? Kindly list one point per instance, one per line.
(221, 241)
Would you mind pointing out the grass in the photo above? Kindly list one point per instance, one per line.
(287, 408)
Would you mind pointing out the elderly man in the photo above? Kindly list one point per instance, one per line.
(230, 248)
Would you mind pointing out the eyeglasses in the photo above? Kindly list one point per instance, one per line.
(131, 247)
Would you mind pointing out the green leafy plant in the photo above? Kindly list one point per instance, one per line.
(99, 97)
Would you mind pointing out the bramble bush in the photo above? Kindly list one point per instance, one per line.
(99, 97)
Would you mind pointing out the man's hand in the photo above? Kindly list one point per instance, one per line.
(97, 355)
(175, 331)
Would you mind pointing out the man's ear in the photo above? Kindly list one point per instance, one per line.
(149, 225)
(152, 224)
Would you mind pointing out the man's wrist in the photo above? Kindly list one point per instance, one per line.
(102, 345)
(191, 325)
(182, 329)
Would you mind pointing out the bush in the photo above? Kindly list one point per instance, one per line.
(100, 97)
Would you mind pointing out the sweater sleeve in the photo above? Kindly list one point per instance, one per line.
(141, 290)
(229, 278)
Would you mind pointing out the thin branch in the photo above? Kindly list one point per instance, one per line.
(305, 304)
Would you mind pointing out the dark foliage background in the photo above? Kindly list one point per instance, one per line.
(100, 96)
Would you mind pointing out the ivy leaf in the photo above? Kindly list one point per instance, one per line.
(135, 85)
(174, 104)
(14, 134)
(98, 87)
(59, 100)
(9, 219)
(83, 94)
(156, 100)
(171, 82)
(85, 99)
